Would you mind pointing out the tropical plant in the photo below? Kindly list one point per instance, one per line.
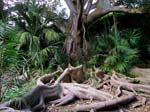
(36, 38)
(8, 53)
(118, 48)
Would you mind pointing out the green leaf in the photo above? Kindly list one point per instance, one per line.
(111, 59)
(51, 35)
(24, 38)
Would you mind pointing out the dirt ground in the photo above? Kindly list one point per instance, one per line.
(143, 75)
(125, 108)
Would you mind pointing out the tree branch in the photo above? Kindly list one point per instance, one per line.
(89, 4)
(93, 6)
(81, 9)
(101, 11)
(60, 26)
(71, 6)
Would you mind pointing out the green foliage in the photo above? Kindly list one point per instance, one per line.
(133, 3)
(9, 55)
(36, 38)
(93, 61)
(8, 52)
(119, 49)
(37, 52)
(16, 91)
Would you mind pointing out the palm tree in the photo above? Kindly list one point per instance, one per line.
(35, 36)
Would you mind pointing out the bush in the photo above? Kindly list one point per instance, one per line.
(118, 48)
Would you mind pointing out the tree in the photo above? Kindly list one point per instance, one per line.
(36, 38)
(83, 12)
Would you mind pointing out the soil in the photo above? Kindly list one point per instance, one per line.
(145, 78)
(125, 108)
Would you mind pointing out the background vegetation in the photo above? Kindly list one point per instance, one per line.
(30, 45)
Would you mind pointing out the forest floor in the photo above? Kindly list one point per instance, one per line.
(125, 108)
(143, 75)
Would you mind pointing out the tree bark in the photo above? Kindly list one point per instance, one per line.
(1, 9)
(72, 45)
(106, 105)
(75, 45)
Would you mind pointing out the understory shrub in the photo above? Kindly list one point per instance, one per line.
(118, 50)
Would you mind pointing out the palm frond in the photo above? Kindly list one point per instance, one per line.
(6, 29)
(121, 66)
(132, 36)
(111, 59)
(51, 35)
(120, 49)
(24, 38)
(34, 45)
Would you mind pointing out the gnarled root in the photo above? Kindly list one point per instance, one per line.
(81, 91)
(106, 100)
(106, 104)
(35, 99)
(61, 93)
(115, 81)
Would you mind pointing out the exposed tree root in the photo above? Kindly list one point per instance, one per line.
(129, 86)
(35, 100)
(48, 77)
(61, 93)
(84, 91)
(81, 91)
(109, 104)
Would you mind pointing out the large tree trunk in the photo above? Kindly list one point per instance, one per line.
(72, 45)
(75, 45)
